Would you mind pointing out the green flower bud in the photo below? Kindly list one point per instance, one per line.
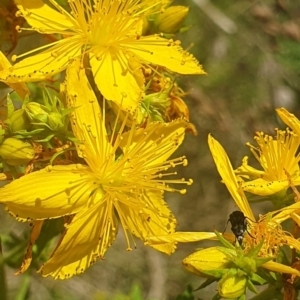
(16, 152)
(232, 286)
(171, 19)
(247, 264)
(18, 121)
(37, 113)
(55, 121)
(155, 105)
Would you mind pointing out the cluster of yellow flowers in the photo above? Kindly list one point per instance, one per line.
(234, 267)
(121, 108)
(96, 153)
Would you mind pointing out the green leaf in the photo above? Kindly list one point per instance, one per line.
(258, 279)
(10, 106)
(243, 297)
(187, 294)
(224, 241)
(253, 252)
(251, 286)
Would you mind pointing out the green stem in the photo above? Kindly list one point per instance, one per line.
(3, 287)
(24, 288)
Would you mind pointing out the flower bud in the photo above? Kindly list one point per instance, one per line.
(207, 262)
(18, 120)
(232, 286)
(55, 121)
(37, 113)
(171, 19)
(16, 152)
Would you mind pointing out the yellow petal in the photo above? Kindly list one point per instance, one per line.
(226, 171)
(293, 243)
(289, 119)
(166, 53)
(280, 268)
(117, 80)
(49, 193)
(156, 143)
(88, 236)
(246, 170)
(263, 187)
(181, 237)
(42, 17)
(287, 212)
(43, 65)
(20, 88)
(156, 219)
(87, 120)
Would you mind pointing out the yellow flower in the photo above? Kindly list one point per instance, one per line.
(266, 229)
(122, 183)
(109, 33)
(278, 157)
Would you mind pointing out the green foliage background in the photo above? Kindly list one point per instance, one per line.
(251, 52)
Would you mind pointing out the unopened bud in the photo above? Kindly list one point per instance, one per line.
(207, 262)
(18, 121)
(171, 19)
(37, 113)
(232, 286)
(16, 152)
(55, 121)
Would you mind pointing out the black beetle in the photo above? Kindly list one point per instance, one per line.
(238, 225)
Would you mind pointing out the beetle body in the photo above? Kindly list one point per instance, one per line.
(238, 225)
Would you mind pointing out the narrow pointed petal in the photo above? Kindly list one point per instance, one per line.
(226, 171)
(87, 120)
(154, 219)
(247, 170)
(157, 143)
(166, 53)
(43, 65)
(42, 17)
(87, 237)
(280, 268)
(117, 80)
(286, 212)
(181, 237)
(58, 191)
(289, 119)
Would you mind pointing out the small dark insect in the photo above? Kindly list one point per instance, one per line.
(238, 225)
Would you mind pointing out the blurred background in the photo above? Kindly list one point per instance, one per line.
(251, 53)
